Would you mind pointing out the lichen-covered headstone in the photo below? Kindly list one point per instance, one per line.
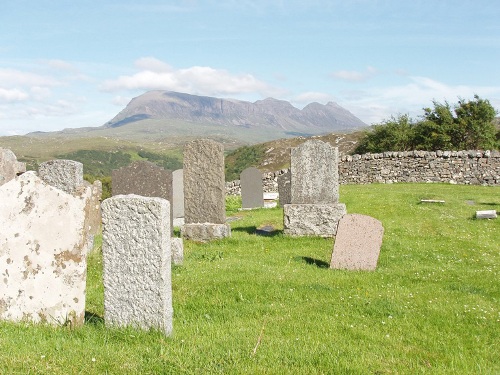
(43, 247)
(315, 209)
(252, 193)
(9, 166)
(357, 244)
(204, 191)
(136, 248)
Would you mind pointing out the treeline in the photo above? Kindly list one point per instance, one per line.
(236, 161)
(467, 125)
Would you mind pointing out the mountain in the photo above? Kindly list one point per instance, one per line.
(278, 116)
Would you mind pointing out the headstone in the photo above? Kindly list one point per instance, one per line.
(9, 166)
(204, 191)
(43, 250)
(486, 214)
(315, 209)
(143, 178)
(66, 175)
(178, 193)
(252, 193)
(357, 244)
(177, 251)
(136, 248)
(284, 189)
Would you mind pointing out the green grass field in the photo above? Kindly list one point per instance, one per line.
(254, 304)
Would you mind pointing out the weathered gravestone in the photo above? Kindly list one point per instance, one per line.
(357, 244)
(136, 252)
(252, 193)
(66, 175)
(284, 189)
(43, 250)
(315, 209)
(178, 193)
(204, 191)
(9, 166)
(143, 178)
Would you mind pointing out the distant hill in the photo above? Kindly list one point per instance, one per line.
(271, 118)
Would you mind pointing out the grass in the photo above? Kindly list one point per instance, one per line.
(254, 304)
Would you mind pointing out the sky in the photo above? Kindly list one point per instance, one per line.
(70, 64)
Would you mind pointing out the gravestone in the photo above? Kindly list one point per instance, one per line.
(66, 175)
(177, 251)
(204, 191)
(315, 209)
(284, 189)
(252, 193)
(9, 166)
(357, 244)
(136, 248)
(143, 178)
(178, 193)
(43, 250)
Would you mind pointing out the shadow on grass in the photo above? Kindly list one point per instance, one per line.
(94, 319)
(265, 231)
(318, 263)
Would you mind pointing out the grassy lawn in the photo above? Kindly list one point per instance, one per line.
(254, 304)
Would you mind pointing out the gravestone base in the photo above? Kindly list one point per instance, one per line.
(177, 251)
(312, 219)
(204, 232)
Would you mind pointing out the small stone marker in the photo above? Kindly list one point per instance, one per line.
(66, 175)
(431, 201)
(136, 248)
(204, 191)
(486, 214)
(43, 249)
(315, 209)
(9, 166)
(357, 244)
(252, 193)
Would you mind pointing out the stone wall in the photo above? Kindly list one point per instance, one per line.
(455, 167)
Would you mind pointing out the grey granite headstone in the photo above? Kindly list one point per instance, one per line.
(43, 250)
(252, 193)
(357, 244)
(315, 210)
(284, 188)
(66, 175)
(178, 193)
(136, 248)
(143, 178)
(315, 173)
(9, 166)
(204, 191)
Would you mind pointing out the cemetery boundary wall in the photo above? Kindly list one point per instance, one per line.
(473, 167)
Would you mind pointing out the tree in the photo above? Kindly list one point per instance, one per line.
(395, 134)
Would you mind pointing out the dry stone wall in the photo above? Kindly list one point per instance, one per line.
(456, 167)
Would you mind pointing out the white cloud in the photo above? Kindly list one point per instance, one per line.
(199, 80)
(18, 78)
(355, 76)
(373, 105)
(12, 95)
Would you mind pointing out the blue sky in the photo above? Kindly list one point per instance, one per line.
(66, 64)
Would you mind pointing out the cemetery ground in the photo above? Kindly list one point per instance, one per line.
(269, 304)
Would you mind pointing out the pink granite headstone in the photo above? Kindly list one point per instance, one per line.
(358, 242)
